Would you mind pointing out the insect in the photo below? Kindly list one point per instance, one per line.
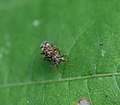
(51, 53)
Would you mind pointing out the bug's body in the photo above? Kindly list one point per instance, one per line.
(51, 54)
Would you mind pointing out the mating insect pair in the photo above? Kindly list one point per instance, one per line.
(52, 54)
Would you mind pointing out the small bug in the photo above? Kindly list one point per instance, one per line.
(51, 53)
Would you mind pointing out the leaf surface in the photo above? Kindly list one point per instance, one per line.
(88, 31)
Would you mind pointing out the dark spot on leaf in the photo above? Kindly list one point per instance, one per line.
(101, 44)
(106, 95)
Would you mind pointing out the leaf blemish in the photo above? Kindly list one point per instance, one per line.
(36, 23)
(103, 53)
(84, 102)
(28, 101)
(106, 95)
(101, 44)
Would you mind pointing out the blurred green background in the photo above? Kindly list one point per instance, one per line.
(88, 31)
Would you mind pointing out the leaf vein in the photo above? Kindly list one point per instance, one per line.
(116, 83)
(58, 80)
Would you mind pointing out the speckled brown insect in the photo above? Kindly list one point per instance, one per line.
(51, 53)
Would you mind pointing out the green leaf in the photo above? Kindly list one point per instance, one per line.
(88, 31)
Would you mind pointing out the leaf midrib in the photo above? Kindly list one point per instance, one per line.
(57, 80)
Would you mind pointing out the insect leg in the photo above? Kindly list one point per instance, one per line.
(42, 53)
